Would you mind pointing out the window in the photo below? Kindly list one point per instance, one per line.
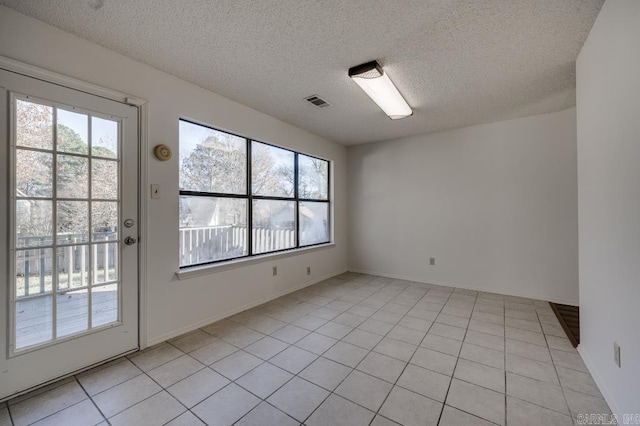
(240, 197)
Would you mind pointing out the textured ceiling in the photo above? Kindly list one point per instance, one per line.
(457, 62)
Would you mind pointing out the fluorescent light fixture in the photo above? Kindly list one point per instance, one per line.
(376, 83)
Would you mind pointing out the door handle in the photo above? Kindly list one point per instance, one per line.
(129, 241)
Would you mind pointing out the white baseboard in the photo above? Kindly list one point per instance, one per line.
(467, 287)
(600, 383)
(57, 381)
(209, 320)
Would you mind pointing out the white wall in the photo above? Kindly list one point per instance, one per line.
(608, 94)
(177, 306)
(495, 204)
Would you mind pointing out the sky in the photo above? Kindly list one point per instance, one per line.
(193, 134)
(104, 132)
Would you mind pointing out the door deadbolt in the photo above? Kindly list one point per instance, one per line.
(129, 223)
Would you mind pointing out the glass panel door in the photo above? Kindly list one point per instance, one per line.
(66, 210)
(71, 297)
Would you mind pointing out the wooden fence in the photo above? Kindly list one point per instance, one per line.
(36, 263)
(204, 244)
(197, 245)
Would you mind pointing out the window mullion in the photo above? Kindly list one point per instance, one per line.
(296, 196)
(249, 202)
(329, 218)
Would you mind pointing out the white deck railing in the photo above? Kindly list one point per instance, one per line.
(34, 265)
(204, 244)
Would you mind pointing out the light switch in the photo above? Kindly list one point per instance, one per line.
(155, 192)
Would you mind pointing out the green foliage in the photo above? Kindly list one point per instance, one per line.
(70, 141)
(34, 173)
(214, 166)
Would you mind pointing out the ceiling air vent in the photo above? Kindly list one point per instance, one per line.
(317, 101)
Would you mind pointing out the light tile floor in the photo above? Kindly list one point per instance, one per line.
(352, 350)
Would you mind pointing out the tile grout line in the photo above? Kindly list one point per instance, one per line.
(64, 408)
(356, 366)
(485, 365)
(369, 352)
(165, 389)
(446, 396)
(418, 347)
(50, 386)
(537, 361)
(142, 400)
(92, 401)
(162, 389)
(297, 374)
(10, 416)
(523, 376)
(268, 403)
(377, 412)
(444, 402)
(190, 375)
(555, 368)
(110, 387)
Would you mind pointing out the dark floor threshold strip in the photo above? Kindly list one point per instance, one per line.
(569, 317)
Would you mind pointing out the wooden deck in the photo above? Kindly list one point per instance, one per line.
(34, 317)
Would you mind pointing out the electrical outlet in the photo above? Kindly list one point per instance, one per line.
(432, 261)
(155, 192)
(275, 271)
(616, 353)
(308, 270)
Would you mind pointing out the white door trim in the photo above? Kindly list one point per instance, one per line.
(143, 202)
(143, 141)
(69, 82)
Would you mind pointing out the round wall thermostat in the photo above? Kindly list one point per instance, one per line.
(162, 152)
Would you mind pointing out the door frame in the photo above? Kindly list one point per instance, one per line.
(142, 106)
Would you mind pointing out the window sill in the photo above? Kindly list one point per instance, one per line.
(197, 271)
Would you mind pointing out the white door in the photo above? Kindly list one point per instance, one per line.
(69, 262)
